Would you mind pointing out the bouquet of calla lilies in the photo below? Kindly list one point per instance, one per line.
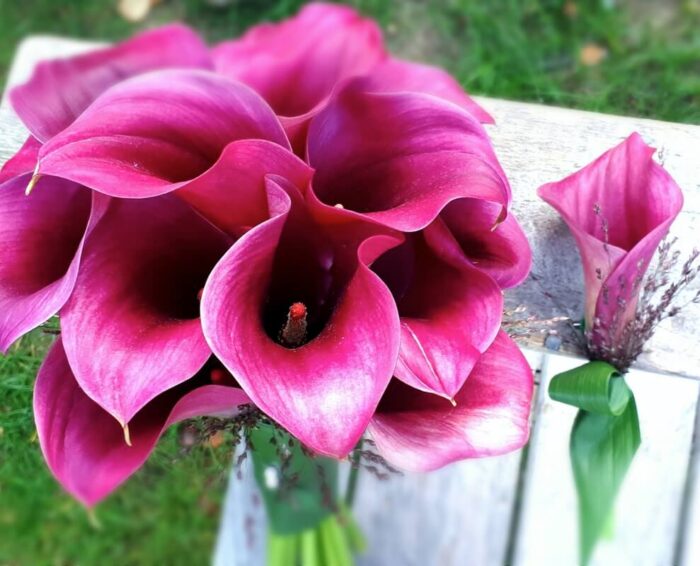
(293, 231)
(306, 240)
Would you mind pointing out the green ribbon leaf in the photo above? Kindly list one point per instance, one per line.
(306, 487)
(596, 387)
(604, 440)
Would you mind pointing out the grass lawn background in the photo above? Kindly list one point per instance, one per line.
(522, 50)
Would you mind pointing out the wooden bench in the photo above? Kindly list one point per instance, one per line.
(521, 508)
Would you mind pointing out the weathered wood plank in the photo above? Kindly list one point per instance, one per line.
(648, 510)
(457, 516)
(241, 540)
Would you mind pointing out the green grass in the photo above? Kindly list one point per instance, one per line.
(167, 514)
(524, 50)
(517, 49)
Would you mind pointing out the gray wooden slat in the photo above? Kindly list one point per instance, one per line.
(457, 516)
(241, 540)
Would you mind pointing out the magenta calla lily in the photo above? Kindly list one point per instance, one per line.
(618, 208)
(397, 75)
(324, 388)
(450, 311)
(296, 64)
(60, 90)
(41, 242)
(84, 446)
(400, 158)
(154, 133)
(496, 247)
(131, 328)
(421, 432)
(325, 225)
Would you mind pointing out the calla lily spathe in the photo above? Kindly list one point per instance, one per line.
(619, 208)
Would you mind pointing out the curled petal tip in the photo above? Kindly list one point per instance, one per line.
(453, 402)
(501, 218)
(33, 181)
(127, 435)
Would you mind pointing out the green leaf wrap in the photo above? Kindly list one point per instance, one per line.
(604, 440)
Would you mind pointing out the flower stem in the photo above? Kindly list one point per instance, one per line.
(354, 474)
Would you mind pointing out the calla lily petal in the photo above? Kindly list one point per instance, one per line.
(618, 208)
(421, 432)
(325, 388)
(450, 311)
(84, 446)
(232, 193)
(396, 75)
(41, 242)
(400, 158)
(60, 90)
(131, 329)
(498, 248)
(151, 134)
(295, 64)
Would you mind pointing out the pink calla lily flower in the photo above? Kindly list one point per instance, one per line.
(401, 158)
(84, 446)
(494, 246)
(618, 208)
(421, 432)
(450, 310)
(131, 328)
(154, 133)
(41, 243)
(397, 75)
(296, 64)
(309, 331)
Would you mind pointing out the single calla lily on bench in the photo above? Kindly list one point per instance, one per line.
(618, 208)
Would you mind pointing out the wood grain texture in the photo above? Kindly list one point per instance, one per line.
(462, 514)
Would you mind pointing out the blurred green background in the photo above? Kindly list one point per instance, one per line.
(633, 57)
